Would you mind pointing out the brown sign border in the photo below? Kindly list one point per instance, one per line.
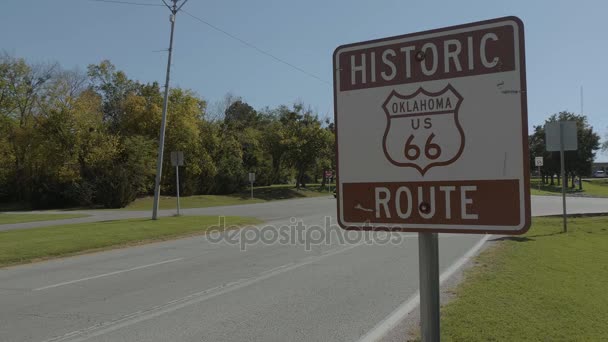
(524, 119)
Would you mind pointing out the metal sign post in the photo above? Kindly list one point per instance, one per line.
(541, 178)
(177, 160)
(177, 187)
(562, 136)
(251, 180)
(539, 162)
(428, 261)
(327, 176)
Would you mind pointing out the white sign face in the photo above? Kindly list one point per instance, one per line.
(251, 177)
(538, 161)
(432, 131)
(553, 132)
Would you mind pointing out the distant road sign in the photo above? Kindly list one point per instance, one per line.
(251, 177)
(432, 131)
(177, 158)
(328, 174)
(538, 161)
(552, 135)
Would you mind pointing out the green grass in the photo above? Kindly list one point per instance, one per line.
(27, 245)
(260, 194)
(21, 218)
(543, 286)
(594, 188)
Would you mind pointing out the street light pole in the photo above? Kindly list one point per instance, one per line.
(161, 145)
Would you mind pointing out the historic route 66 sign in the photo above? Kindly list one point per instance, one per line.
(431, 131)
(428, 123)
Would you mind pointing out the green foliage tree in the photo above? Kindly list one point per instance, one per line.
(90, 139)
(577, 163)
(240, 115)
(305, 140)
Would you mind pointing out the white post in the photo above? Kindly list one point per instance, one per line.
(177, 186)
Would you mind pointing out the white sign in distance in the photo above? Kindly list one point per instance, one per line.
(553, 130)
(251, 177)
(177, 158)
(432, 131)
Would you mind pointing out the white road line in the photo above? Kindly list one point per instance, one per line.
(143, 315)
(397, 316)
(106, 274)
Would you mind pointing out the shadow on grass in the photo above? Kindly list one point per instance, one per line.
(547, 235)
(264, 193)
(276, 193)
(513, 238)
(15, 206)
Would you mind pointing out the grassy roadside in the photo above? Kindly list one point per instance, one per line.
(27, 245)
(260, 194)
(594, 188)
(22, 218)
(543, 286)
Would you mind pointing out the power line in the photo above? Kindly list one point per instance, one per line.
(129, 3)
(244, 42)
(240, 40)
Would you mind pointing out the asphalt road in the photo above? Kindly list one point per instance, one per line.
(196, 290)
(281, 210)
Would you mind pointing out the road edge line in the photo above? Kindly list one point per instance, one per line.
(391, 321)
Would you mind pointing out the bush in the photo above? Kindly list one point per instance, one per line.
(131, 174)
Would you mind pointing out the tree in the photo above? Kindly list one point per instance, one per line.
(75, 138)
(185, 112)
(230, 175)
(578, 163)
(127, 174)
(23, 86)
(240, 115)
(305, 139)
(538, 148)
(114, 86)
(275, 144)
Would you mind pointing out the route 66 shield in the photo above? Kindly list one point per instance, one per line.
(422, 129)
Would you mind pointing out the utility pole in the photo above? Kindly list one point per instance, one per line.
(161, 145)
(582, 113)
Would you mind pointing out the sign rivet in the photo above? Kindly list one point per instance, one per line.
(420, 56)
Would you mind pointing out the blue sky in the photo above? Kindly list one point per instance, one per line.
(566, 44)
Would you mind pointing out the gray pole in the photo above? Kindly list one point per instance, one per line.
(163, 124)
(428, 261)
(582, 100)
(251, 189)
(563, 173)
(177, 185)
